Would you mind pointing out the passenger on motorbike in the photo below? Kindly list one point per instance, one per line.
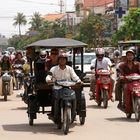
(18, 67)
(53, 61)
(128, 67)
(100, 62)
(61, 72)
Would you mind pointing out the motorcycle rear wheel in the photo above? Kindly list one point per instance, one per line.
(137, 109)
(82, 120)
(128, 115)
(66, 120)
(5, 90)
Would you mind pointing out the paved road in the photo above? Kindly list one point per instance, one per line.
(101, 124)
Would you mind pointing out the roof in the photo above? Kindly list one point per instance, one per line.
(57, 43)
(53, 17)
(96, 3)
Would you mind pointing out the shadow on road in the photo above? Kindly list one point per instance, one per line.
(121, 119)
(96, 106)
(36, 128)
(19, 108)
(2, 100)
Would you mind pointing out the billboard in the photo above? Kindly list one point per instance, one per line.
(121, 3)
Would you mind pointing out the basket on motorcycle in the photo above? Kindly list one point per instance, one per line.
(6, 78)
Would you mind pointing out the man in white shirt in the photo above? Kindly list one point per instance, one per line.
(61, 72)
(100, 62)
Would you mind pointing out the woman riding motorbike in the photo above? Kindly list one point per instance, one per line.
(5, 65)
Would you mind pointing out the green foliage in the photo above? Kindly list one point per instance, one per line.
(91, 31)
(36, 22)
(131, 27)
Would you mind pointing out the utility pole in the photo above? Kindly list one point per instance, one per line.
(62, 6)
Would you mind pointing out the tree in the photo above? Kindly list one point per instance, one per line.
(92, 31)
(131, 27)
(20, 20)
(36, 22)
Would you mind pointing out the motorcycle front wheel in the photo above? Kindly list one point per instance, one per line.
(105, 98)
(66, 119)
(137, 109)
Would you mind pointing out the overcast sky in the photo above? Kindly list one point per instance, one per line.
(9, 9)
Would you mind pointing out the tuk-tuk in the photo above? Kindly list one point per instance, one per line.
(39, 93)
(131, 44)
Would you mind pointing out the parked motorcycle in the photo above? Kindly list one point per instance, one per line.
(64, 105)
(131, 96)
(19, 75)
(103, 87)
(6, 78)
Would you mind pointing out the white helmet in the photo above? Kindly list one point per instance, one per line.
(43, 55)
(100, 51)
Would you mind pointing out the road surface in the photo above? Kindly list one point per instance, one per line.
(101, 124)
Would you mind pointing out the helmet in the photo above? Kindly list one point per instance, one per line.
(100, 52)
(43, 55)
(130, 51)
(117, 53)
(63, 55)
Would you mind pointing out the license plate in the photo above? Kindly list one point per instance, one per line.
(105, 80)
(136, 89)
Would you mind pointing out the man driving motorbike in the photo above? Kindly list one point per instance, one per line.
(61, 72)
(128, 67)
(100, 62)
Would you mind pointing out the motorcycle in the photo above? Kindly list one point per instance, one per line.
(64, 105)
(19, 75)
(6, 78)
(131, 96)
(103, 87)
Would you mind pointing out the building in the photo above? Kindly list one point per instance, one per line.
(85, 7)
(70, 18)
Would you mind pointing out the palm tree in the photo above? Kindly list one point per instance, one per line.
(36, 21)
(20, 19)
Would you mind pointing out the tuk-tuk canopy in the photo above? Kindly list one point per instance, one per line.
(129, 42)
(58, 42)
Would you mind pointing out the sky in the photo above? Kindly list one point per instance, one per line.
(10, 8)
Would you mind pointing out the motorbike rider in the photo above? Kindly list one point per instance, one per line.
(61, 72)
(5, 65)
(128, 67)
(100, 62)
